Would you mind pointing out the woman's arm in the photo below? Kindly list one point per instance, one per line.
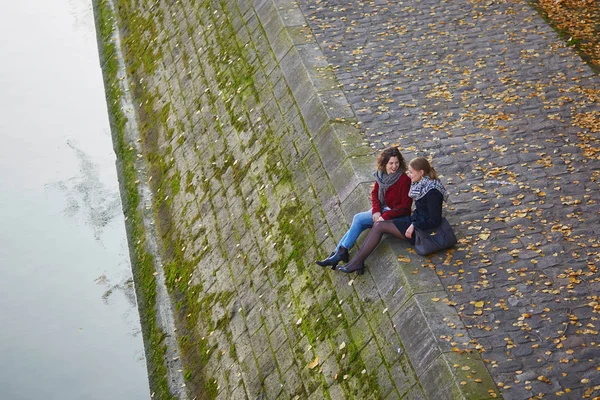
(376, 206)
(433, 219)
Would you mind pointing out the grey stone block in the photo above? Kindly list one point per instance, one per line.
(358, 200)
(351, 138)
(438, 382)
(281, 44)
(336, 105)
(292, 17)
(300, 35)
(314, 115)
(458, 376)
(442, 320)
(415, 393)
(272, 24)
(312, 56)
(418, 340)
(296, 77)
(329, 148)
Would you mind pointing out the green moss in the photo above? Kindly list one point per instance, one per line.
(189, 186)
(313, 325)
(187, 375)
(141, 32)
(142, 261)
(164, 114)
(298, 228)
(176, 183)
(211, 389)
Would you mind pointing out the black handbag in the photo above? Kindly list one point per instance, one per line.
(436, 239)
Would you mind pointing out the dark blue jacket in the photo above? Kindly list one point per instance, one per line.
(428, 210)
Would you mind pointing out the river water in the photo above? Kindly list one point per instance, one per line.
(69, 326)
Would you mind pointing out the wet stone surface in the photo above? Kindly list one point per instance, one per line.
(510, 117)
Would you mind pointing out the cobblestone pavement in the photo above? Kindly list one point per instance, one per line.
(511, 118)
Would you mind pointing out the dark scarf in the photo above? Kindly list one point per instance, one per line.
(385, 181)
(421, 188)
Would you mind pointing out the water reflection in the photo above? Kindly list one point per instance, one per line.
(70, 328)
(87, 194)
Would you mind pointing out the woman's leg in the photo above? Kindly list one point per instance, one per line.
(371, 242)
(360, 222)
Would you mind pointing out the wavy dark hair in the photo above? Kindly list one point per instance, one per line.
(385, 155)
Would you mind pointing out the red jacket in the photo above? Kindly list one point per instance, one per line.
(396, 198)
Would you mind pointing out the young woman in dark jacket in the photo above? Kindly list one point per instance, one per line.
(428, 193)
(389, 200)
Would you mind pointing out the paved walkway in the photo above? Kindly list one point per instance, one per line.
(512, 119)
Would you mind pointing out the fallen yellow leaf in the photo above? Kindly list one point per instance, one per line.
(313, 363)
(542, 378)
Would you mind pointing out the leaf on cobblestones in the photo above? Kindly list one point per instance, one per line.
(520, 213)
(542, 378)
(404, 259)
(313, 363)
(435, 299)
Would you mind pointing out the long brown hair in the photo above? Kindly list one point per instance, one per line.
(385, 156)
(421, 164)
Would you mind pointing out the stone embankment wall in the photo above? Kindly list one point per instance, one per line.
(256, 164)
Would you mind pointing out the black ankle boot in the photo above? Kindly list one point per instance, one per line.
(354, 266)
(334, 258)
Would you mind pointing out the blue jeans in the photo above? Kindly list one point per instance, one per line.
(360, 222)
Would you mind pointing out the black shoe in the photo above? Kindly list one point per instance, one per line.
(358, 267)
(334, 258)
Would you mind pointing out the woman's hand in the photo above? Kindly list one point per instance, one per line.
(409, 231)
(376, 216)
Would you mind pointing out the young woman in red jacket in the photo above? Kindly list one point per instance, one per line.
(429, 194)
(389, 200)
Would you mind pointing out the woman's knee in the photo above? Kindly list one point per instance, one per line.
(380, 226)
(383, 226)
(360, 218)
